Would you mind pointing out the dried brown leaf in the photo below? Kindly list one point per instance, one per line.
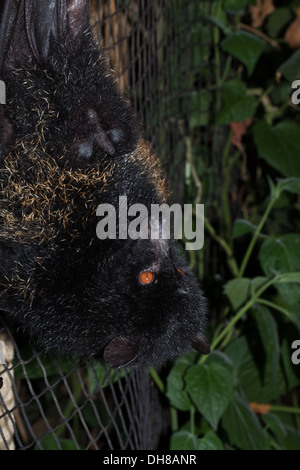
(292, 35)
(260, 408)
(239, 129)
(260, 11)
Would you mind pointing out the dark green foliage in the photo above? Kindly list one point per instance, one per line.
(252, 218)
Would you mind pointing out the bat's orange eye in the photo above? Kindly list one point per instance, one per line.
(146, 277)
(180, 271)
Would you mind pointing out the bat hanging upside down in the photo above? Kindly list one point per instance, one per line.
(68, 143)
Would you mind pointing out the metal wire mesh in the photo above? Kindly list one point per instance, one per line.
(154, 47)
(59, 404)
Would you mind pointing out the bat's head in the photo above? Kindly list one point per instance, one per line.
(160, 311)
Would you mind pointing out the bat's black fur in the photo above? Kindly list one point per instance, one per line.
(69, 142)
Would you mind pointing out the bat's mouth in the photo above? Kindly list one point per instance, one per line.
(120, 352)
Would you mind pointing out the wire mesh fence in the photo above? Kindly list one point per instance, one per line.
(50, 403)
(163, 55)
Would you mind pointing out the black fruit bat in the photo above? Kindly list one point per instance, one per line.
(69, 142)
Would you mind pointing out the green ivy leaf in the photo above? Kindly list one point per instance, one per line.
(287, 437)
(240, 289)
(242, 227)
(270, 340)
(282, 256)
(184, 440)
(248, 371)
(290, 69)
(256, 283)
(238, 105)
(277, 21)
(292, 185)
(210, 386)
(292, 439)
(291, 371)
(287, 278)
(210, 441)
(244, 46)
(237, 290)
(279, 145)
(175, 387)
(238, 353)
(242, 426)
(215, 15)
(275, 424)
(235, 6)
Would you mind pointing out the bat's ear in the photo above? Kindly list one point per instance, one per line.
(57, 19)
(77, 20)
(26, 28)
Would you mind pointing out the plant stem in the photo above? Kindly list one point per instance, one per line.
(255, 236)
(232, 322)
(157, 380)
(227, 167)
(275, 445)
(259, 33)
(285, 409)
(174, 419)
(279, 111)
(240, 313)
(192, 414)
(232, 264)
(226, 69)
(270, 304)
(72, 403)
(267, 91)
(295, 405)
